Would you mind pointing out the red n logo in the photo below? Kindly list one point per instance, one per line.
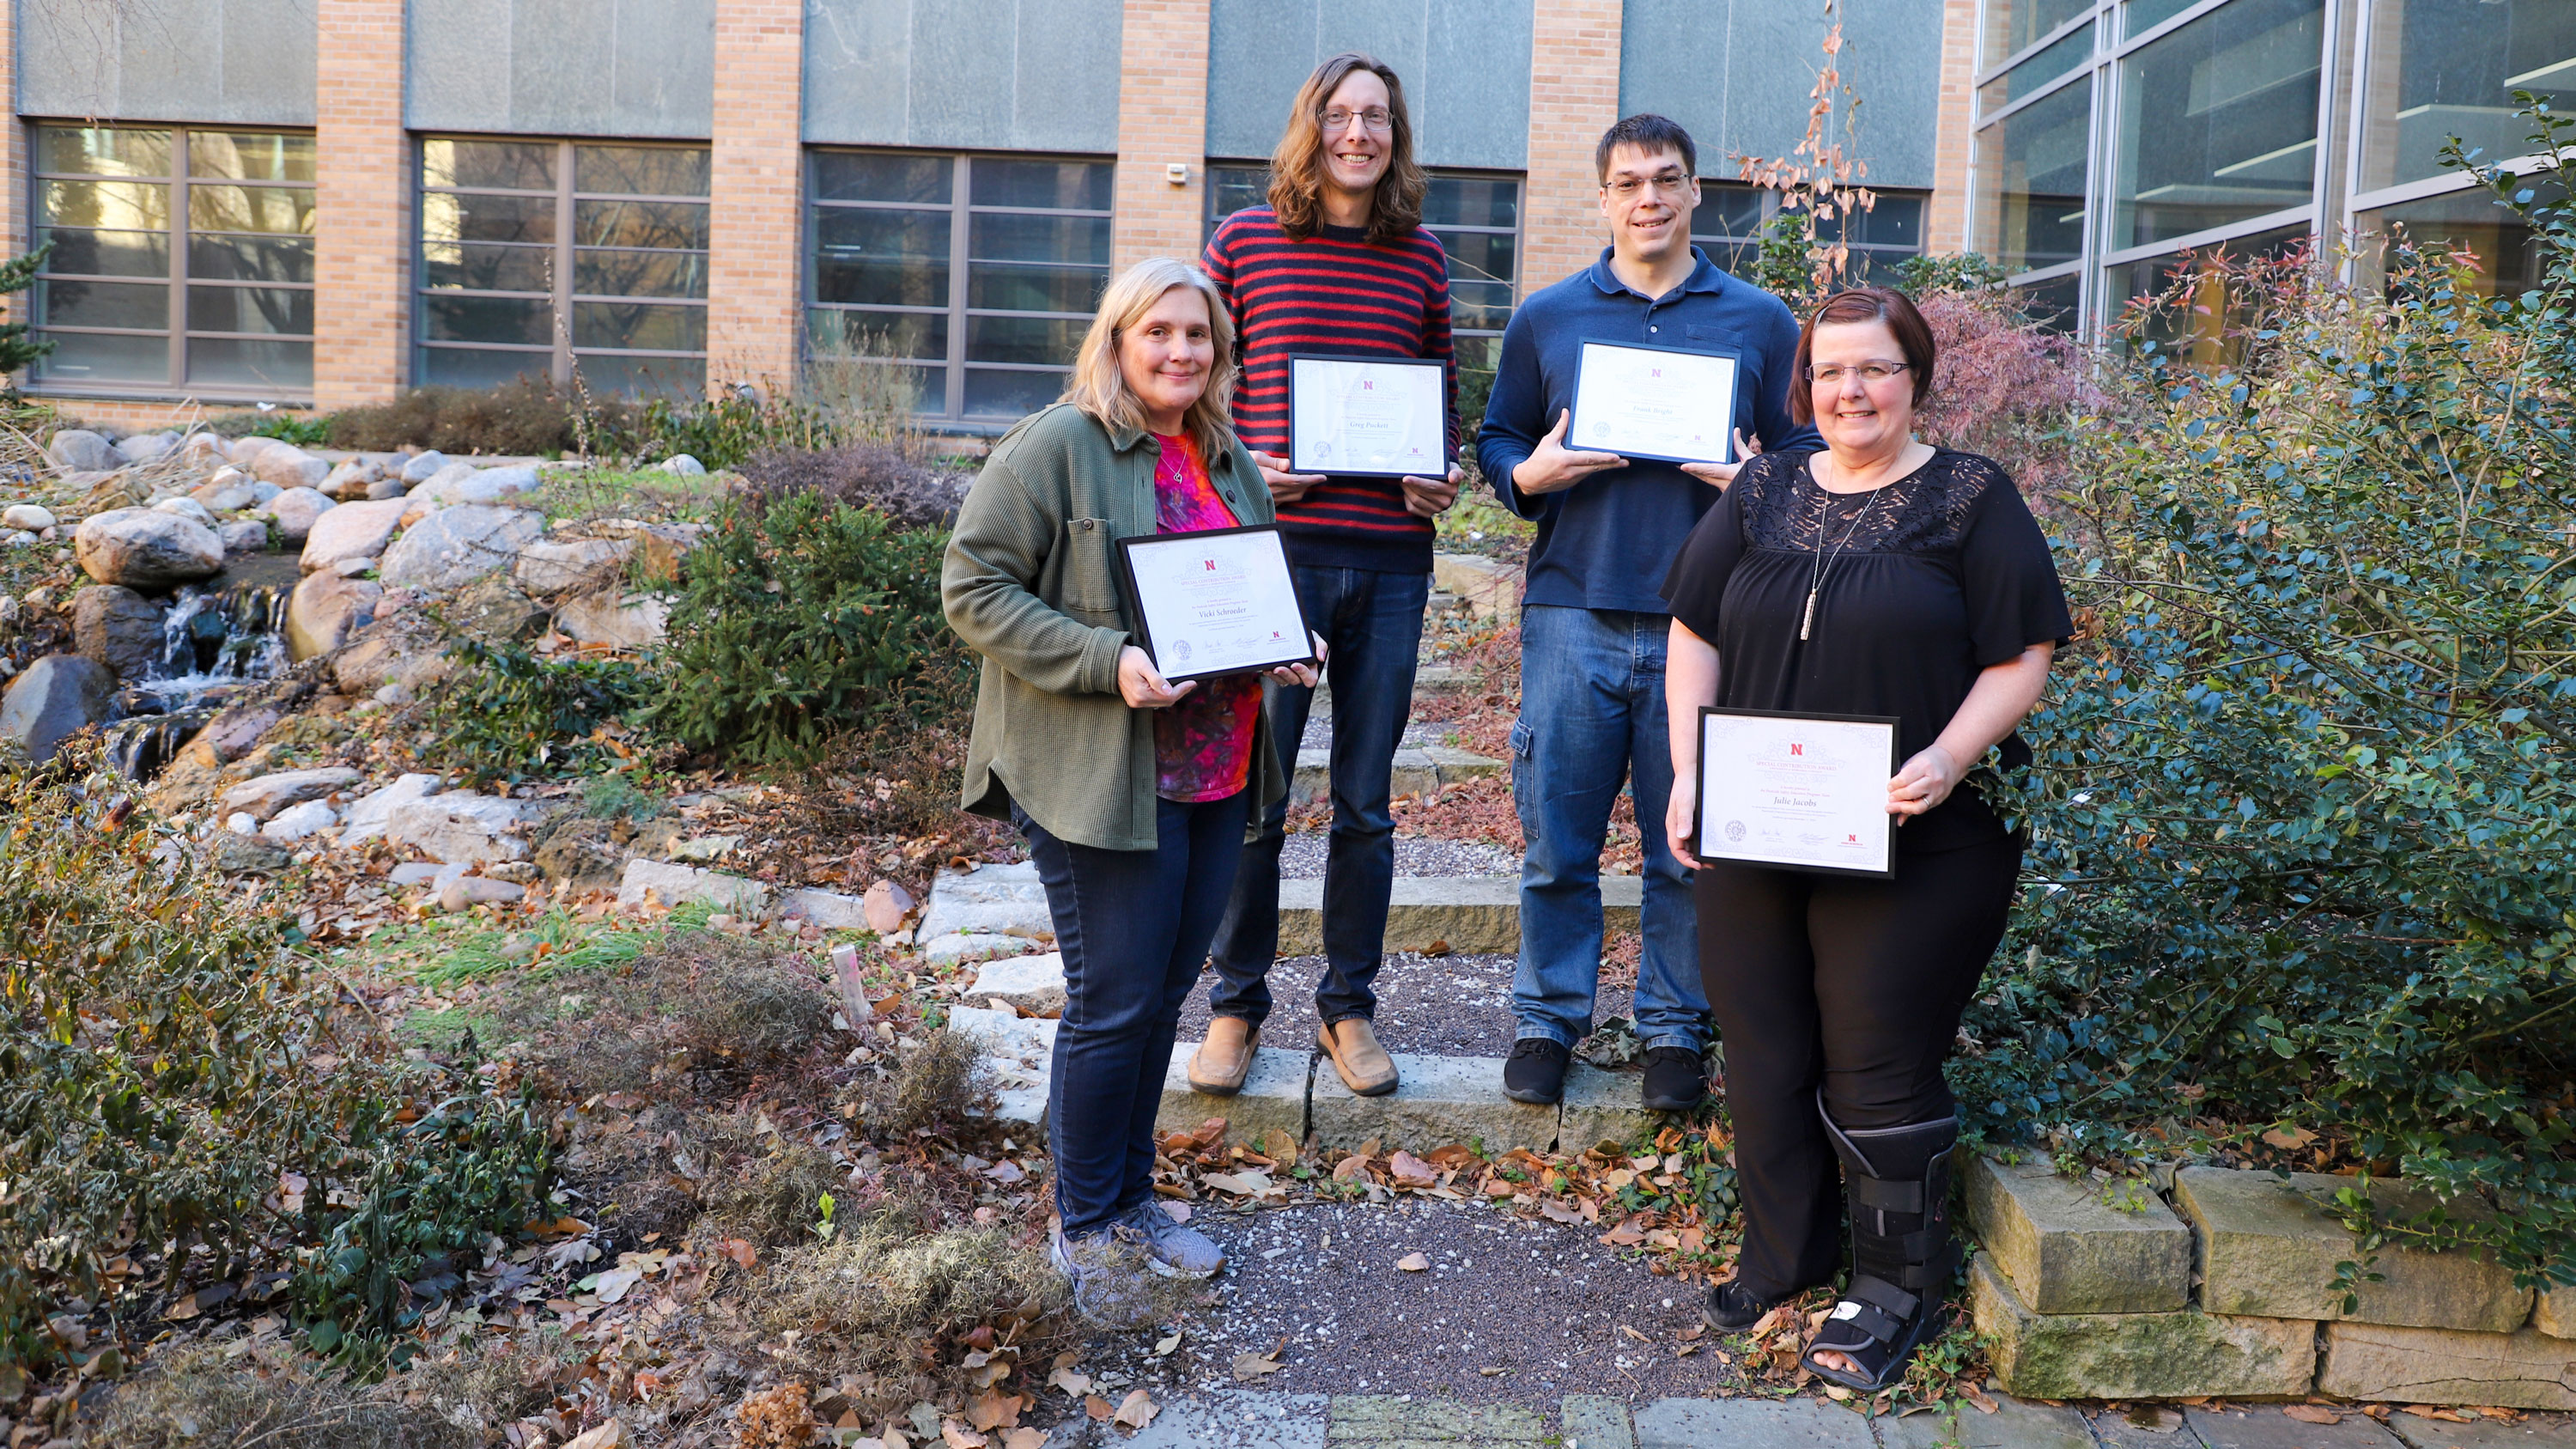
(1797, 749)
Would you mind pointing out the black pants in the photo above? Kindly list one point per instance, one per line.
(1842, 983)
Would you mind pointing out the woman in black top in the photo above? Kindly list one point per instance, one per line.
(1880, 576)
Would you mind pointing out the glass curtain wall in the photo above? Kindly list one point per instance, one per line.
(551, 257)
(182, 261)
(2438, 69)
(1728, 223)
(2112, 138)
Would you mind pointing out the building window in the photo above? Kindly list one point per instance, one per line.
(556, 257)
(2014, 26)
(1728, 225)
(977, 275)
(2444, 68)
(2218, 122)
(182, 261)
(1477, 218)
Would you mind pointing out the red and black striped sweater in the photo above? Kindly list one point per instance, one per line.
(1335, 292)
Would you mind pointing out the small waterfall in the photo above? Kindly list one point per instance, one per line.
(212, 642)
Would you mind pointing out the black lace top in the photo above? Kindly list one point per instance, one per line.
(1939, 575)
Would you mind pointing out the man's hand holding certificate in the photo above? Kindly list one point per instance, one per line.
(1654, 402)
(1379, 417)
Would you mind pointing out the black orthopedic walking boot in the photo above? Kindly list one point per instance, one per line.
(1896, 1187)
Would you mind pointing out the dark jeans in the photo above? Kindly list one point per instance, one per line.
(1133, 926)
(1846, 984)
(1372, 628)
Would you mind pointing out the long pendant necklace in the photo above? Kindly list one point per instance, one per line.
(1824, 565)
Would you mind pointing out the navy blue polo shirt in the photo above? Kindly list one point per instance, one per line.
(1607, 542)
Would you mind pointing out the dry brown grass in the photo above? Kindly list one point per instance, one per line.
(706, 1010)
(200, 1398)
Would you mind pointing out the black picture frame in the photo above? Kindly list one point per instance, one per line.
(1136, 618)
(1448, 445)
(1699, 800)
(1574, 408)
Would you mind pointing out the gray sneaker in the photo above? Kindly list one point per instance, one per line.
(1184, 1250)
(1112, 1272)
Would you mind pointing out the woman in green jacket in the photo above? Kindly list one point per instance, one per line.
(1134, 793)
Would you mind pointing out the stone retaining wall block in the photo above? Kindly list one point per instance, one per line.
(1440, 1100)
(2555, 1314)
(2269, 1248)
(1601, 1107)
(2525, 1370)
(1273, 1098)
(2066, 1250)
(2137, 1355)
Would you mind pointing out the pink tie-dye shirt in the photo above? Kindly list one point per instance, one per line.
(1202, 745)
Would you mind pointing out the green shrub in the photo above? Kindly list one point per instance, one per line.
(164, 1060)
(304, 430)
(525, 415)
(505, 713)
(2306, 800)
(720, 431)
(799, 620)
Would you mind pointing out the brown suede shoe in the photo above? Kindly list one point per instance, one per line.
(1365, 1067)
(1219, 1065)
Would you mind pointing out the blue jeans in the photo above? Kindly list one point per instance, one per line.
(1592, 713)
(1372, 628)
(1133, 926)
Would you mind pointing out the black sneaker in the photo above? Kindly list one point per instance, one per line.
(1535, 1071)
(1732, 1308)
(1674, 1082)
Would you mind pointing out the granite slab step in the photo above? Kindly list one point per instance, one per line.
(1466, 913)
(1419, 772)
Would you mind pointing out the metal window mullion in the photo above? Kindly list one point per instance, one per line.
(960, 221)
(2101, 152)
(178, 306)
(563, 264)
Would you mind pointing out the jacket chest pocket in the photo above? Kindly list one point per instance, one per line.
(1090, 566)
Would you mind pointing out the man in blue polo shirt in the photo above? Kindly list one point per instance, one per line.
(1592, 622)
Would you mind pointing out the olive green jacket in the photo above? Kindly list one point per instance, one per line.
(1030, 583)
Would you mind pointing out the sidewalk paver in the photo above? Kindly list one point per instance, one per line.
(1750, 1424)
(1234, 1418)
(2539, 1431)
(1595, 1421)
(2262, 1426)
(1403, 1421)
(2116, 1430)
(2015, 1424)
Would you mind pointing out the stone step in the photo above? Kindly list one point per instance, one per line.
(1485, 588)
(1418, 772)
(1478, 914)
(1438, 1100)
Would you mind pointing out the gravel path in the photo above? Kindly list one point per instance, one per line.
(1433, 1005)
(1543, 1304)
(1302, 858)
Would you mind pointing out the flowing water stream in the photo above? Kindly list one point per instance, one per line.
(217, 639)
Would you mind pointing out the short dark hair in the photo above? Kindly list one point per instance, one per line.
(1647, 132)
(1865, 304)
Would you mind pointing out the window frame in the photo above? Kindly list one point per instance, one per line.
(1770, 208)
(563, 354)
(175, 331)
(961, 211)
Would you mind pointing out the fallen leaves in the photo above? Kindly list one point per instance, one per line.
(1254, 1367)
(1410, 1171)
(2312, 1414)
(1138, 1410)
(1072, 1381)
(1164, 1346)
(1413, 1263)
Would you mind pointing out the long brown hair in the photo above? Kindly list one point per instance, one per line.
(1297, 167)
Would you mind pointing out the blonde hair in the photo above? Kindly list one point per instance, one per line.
(1100, 388)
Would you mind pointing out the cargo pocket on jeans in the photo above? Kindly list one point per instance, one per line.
(1524, 743)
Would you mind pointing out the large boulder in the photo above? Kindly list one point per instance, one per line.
(289, 466)
(245, 451)
(53, 698)
(114, 626)
(326, 611)
(199, 450)
(296, 511)
(349, 481)
(145, 550)
(462, 828)
(264, 796)
(243, 535)
(33, 517)
(553, 567)
(145, 447)
(456, 546)
(368, 815)
(230, 495)
(350, 531)
(465, 483)
(189, 509)
(78, 450)
(423, 466)
(614, 617)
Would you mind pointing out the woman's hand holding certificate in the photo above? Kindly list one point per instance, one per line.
(1802, 791)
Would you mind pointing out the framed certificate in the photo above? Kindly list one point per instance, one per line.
(1376, 417)
(1654, 402)
(1799, 791)
(1214, 602)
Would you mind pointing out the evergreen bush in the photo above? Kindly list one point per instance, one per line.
(2305, 800)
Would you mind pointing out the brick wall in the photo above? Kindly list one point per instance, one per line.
(362, 205)
(755, 258)
(1574, 97)
(1162, 122)
(1945, 226)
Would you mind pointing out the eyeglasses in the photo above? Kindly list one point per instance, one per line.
(1376, 118)
(1832, 373)
(1671, 183)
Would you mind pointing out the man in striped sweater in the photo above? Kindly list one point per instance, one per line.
(1338, 262)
